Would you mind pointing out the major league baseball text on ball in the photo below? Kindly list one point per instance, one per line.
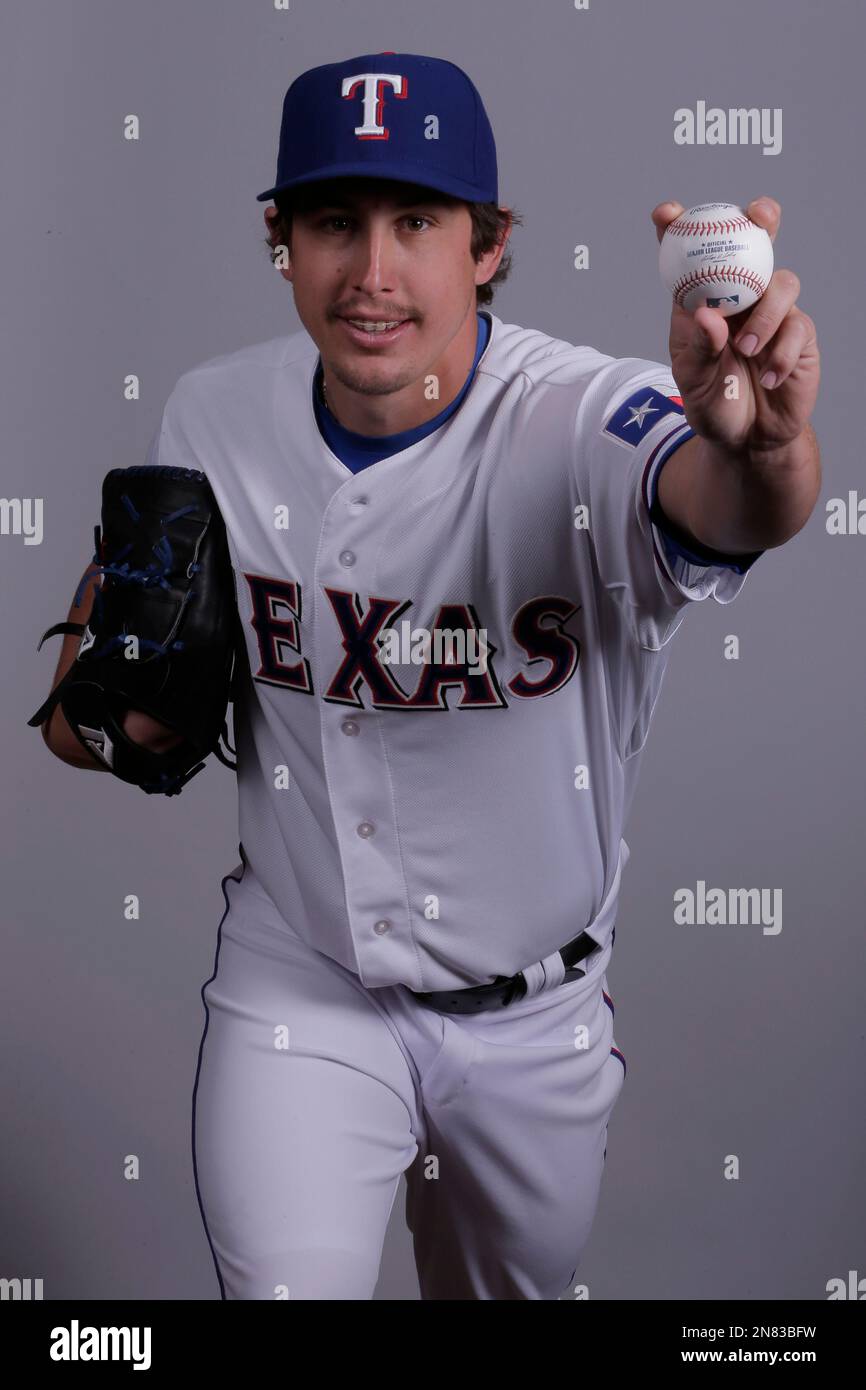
(714, 255)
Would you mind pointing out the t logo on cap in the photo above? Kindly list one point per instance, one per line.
(374, 99)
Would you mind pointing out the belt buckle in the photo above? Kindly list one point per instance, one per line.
(476, 994)
(517, 987)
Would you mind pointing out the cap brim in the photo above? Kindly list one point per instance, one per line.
(396, 173)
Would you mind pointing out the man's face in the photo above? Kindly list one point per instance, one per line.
(388, 251)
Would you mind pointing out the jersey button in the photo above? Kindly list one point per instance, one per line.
(366, 829)
(382, 927)
(347, 558)
(350, 727)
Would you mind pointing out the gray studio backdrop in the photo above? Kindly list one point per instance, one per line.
(148, 257)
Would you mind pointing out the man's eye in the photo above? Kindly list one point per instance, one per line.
(410, 217)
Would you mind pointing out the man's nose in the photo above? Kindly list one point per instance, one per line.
(374, 255)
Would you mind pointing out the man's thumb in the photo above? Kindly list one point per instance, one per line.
(702, 343)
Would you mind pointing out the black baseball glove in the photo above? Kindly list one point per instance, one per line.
(163, 635)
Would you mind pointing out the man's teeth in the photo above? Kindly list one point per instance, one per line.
(377, 327)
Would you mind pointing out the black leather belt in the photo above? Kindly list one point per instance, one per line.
(505, 988)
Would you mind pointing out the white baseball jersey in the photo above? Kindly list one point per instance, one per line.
(423, 814)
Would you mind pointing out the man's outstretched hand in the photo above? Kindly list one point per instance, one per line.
(771, 348)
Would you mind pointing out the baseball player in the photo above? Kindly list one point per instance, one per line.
(461, 549)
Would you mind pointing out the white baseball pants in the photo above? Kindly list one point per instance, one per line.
(314, 1093)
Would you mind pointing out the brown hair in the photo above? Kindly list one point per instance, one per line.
(489, 225)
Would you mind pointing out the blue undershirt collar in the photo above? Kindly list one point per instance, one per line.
(358, 451)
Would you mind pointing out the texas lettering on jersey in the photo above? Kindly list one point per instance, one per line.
(537, 626)
(276, 619)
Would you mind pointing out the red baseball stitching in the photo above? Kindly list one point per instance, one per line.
(722, 274)
(736, 224)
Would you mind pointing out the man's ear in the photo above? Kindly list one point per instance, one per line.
(284, 263)
(488, 263)
(271, 218)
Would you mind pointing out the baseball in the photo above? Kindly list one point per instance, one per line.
(714, 254)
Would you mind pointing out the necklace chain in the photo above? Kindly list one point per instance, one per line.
(325, 398)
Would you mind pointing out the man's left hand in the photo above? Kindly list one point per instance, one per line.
(706, 348)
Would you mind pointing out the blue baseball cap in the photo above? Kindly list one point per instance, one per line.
(413, 119)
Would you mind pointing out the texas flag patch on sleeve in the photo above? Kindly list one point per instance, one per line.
(634, 419)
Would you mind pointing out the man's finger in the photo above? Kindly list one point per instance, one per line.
(769, 312)
(664, 213)
(710, 332)
(767, 213)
